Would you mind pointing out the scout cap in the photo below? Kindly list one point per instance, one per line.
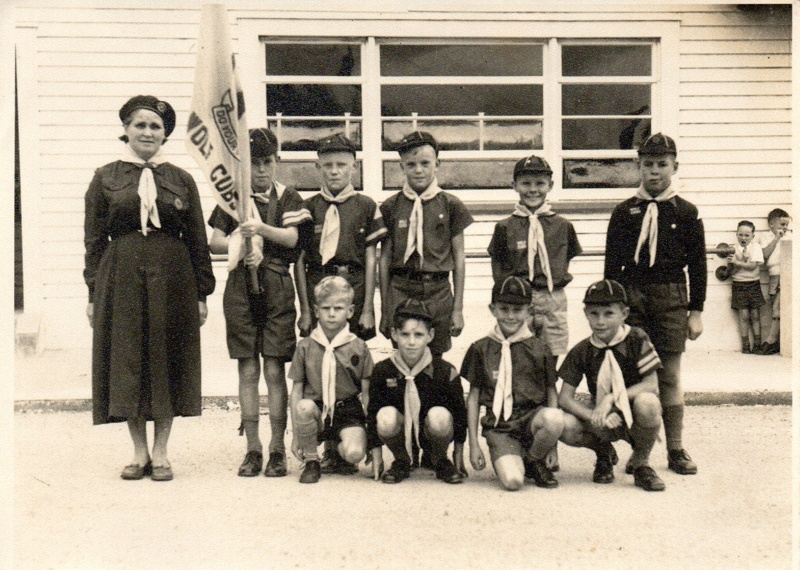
(263, 143)
(335, 143)
(658, 144)
(532, 165)
(160, 108)
(412, 309)
(415, 139)
(513, 290)
(605, 292)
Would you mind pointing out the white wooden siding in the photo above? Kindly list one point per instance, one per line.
(734, 114)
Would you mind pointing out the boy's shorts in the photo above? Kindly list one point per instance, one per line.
(346, 413)
(437, 296)
(512, 436)
(607, 434)
(746, 295)
(774, 285)
(661, 309)
(277, 338)
(553, 309)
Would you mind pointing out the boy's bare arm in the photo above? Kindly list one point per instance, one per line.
(365, 394)
(218, 244)
(648, 384)
(296, 396)
(552, 397)
(459, 269)
(367, 319)
(304, 322)
(476, 457)
(568, 403)
(285, 237)
(383, 265)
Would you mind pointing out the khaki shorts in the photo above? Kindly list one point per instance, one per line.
(552, 308)
(661, 309)
(512, 436)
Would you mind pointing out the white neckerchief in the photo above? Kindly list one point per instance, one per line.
(503, 398)
(415, 230)
(343, 337)
(536, 239)
(609, 377)
(411, 401)
(329, 240)
(235, 250)
(147, 185)
(649, 231)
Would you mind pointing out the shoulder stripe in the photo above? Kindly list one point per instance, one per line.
(296, 217)
(376, 235)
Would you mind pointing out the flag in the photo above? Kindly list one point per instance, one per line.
(217, 136)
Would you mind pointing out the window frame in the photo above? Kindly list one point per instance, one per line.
(370, 31)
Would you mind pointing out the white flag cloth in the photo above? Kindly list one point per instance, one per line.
(217, 136)
(415, 230)
(235, 244)
(536, 239)
(503, 401)
(649, 231)
(609, 377)
(411, 402)
(147, 186)
(343, 337)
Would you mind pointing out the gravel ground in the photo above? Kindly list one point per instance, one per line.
(73, 511)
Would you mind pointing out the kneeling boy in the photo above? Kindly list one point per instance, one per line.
(620, 366)
(513, 374)
(330, 369)
(413, 395)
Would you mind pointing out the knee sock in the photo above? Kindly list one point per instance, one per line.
(673, 426)
(306, 433)
(757, 340)
(250, 428)
(745, 343)
(643, 439)
(278, 426)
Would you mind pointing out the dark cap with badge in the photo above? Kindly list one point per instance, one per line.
(160, 108)
(412, 309)
(417, 139)
(335, 143)
(532, 165)
(263, 143)
(605, 292)
(658, 144)
(512, 290)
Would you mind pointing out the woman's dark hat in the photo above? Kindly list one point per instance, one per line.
(605, 292)
(513, 290)
(263, 143)
(412, 309)
(160, 108)
(415, 139)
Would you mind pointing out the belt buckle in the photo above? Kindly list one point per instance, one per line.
(342, 269)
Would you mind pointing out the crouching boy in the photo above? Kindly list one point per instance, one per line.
(620, 366)
(513, 374)
(414, 395)
(330, 369)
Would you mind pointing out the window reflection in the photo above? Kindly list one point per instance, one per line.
(313, 59)
(461, 60)
(459, 174)
(295, 134)
(404, 100)
(584, 134)
(304, 176)
(594, 60)
(601, 173)
(315, 100)
(605, 99)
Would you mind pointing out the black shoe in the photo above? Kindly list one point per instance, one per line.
(329, 462)
(311, 472)
(399, 470)
(603, 469)
(771, 348)
(251, 466)
(629, 466)
(448, 473)
(344, 467)
(757, 349)
(542, 476)
(276, 466)
(646, 478)
(680, 462)
(746, 350)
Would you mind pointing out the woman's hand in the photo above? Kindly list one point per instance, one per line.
(203, 309)
(90, 314)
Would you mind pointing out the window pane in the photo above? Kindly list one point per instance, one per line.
(303, 135)
(314, 100)
(601, 173)
(304, 176)
(316, 59)
(451, 135)
(461, 60)
(599, 99)
(459, 174)
(605, 60)
(403, 100)
(581, 134)
(517, 135)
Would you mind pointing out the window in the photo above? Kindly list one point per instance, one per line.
(584, 105)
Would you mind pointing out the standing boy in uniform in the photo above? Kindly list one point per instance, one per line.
(770, 243)
(262, 324)
(425, 244)
(620, 365)
(537, 244)
(651, 238)
(330, 369)
(746, 296)
(415, 395)
(347, 228)
(513, 374)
